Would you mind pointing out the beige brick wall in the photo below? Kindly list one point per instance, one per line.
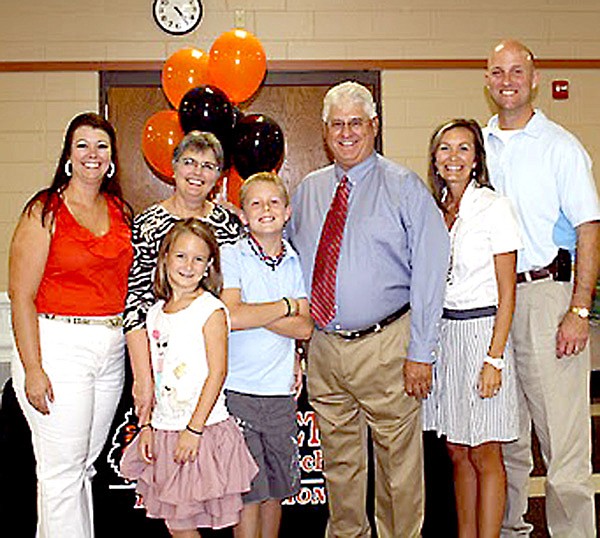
(35, 107)
(415, 102)
(34, 111)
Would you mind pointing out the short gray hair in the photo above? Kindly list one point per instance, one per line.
(200, 141)
(349, 91)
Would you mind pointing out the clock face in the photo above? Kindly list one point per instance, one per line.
(177, 17)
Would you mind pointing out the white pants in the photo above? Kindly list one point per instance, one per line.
(554, 395)
(85, 364)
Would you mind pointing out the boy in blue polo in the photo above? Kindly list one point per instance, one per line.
(264, 292)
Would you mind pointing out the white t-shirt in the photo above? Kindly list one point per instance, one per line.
(179, 362)
(486, 225)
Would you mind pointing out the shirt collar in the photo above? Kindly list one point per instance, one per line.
(534, 126)
(473, 200)
(357, 173)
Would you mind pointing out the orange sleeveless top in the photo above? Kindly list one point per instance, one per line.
(86, 275)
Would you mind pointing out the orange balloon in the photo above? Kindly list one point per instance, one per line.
(234, 183)
(162, 133)
(237, 64)
(182, 71)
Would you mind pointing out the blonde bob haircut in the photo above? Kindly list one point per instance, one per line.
(212, 281)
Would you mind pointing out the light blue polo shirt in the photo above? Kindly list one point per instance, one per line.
(547, 174)
(261, 362)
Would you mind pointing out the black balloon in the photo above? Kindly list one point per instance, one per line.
(258, 145)
(207, 108)
(237, 115)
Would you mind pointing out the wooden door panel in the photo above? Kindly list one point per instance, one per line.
(297, 110)
(129, 108)
(293, 100)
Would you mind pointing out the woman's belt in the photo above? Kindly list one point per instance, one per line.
(469, 313)
(112, 322)
(353, 335)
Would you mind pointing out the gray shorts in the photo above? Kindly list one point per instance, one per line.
(270, 429)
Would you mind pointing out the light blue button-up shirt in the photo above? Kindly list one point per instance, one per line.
(394, 249)
(547, 174)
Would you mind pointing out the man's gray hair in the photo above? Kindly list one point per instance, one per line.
(349, 91)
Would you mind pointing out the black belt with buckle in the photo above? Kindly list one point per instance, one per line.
(353, 335)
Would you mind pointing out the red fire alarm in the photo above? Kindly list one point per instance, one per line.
(560, 89)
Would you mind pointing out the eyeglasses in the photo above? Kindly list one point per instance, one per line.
(354, 124)
(206, 166)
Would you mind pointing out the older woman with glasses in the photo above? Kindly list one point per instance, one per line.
(197, 164)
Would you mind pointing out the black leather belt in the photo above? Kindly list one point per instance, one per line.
(353, 335)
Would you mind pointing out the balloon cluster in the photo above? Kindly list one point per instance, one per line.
(204, 89)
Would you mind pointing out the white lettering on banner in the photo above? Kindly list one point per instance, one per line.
(312, 489)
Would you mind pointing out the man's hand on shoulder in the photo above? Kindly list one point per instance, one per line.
(572, 335)
(417, 378)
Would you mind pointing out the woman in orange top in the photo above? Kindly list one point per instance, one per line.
(68, 266)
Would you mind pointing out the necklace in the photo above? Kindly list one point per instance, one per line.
(271, 261)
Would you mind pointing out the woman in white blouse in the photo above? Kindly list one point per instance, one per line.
(473, 402)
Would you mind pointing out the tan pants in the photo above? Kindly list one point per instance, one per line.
(352, 384)
(554, 394)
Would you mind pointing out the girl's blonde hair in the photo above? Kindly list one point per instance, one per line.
(212, 281)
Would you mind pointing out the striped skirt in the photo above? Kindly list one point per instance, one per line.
(454, 407)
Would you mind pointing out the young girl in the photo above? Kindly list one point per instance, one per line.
(190, 460)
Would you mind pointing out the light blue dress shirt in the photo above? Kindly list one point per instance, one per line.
(394, 249)
(547, 174)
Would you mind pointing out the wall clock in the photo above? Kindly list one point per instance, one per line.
(177, 17)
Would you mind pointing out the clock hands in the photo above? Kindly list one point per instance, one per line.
(177, 17)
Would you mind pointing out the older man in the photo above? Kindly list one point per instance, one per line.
(373, 246)
(547, 174)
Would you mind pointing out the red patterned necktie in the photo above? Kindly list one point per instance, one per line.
(322, 306)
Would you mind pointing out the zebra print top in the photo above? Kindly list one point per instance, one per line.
(149, 229)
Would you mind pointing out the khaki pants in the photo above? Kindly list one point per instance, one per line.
(554, 394)
(352, 384)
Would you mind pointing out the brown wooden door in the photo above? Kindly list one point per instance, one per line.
(293, 100)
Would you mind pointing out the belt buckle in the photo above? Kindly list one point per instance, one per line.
(348, 335)
(115, 322)
(377, 328)
(527, 276)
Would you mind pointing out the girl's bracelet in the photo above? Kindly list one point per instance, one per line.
(147, 425)
(195, 432)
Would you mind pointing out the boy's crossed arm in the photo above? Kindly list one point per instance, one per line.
(273, 316)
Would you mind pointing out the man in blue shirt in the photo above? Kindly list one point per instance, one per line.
(547, 174)
(371, 364)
